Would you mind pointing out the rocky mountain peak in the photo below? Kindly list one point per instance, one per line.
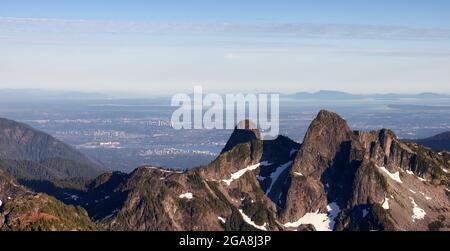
(327, 158)
(246, 125)
(326, 134)
(338, 179)
(245, 131)
(327, 123)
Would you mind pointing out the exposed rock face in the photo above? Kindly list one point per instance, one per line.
(325, 162)
(163, 200)
(244, 132)
(22, 209)
(219, 197)
(349, 180)
(360, 170)
(337, 179)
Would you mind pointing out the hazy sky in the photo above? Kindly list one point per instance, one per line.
(229, 45)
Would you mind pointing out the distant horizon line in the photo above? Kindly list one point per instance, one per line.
(140, 92)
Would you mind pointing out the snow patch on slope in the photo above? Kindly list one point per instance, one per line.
(188, 196)
(238, 174)
(292, 152)
(249, 221)
(320, 221)
(163, 170)
(276, 174)
(422, 179)
(418, 213)
(394, 176)
(425, 196)
(221, 219)
(386, 203)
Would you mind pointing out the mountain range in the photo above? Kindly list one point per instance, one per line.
(27, 153)
(440, 142)
(336, 179)
(12, 95)
(339, 95)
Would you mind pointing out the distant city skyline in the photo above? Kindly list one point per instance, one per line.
(246, 46)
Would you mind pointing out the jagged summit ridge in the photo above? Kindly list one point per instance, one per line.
(337, 179)
(326, 127)
(360, 171)
(245, 131)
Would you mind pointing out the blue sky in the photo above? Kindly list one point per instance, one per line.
(253, 45)
(426, 13)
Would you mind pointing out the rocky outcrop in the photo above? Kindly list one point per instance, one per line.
(360, 172)
(337, 179)
(245, 131)
(21, 209)
(326, 161)
(228, 194)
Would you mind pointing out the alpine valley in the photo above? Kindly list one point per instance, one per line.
(336, 179)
